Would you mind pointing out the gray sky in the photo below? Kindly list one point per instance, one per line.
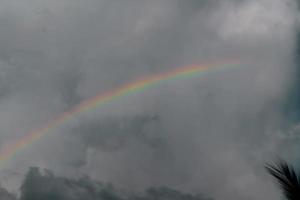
(211, 134)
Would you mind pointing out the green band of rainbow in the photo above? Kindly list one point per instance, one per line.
(134, 87)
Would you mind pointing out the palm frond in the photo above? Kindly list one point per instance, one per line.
(287, 177)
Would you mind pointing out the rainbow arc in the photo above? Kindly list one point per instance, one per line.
(136, 86)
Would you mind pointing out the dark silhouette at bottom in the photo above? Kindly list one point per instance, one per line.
(287, 178)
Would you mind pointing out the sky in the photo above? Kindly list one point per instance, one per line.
(210, 135)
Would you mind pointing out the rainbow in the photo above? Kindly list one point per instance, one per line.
(141, 84)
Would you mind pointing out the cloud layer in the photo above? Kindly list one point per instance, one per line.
(210, 134)
(47, 186)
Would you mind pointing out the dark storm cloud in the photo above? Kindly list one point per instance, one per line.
(48, 187)
(292, 106)
(5, 195)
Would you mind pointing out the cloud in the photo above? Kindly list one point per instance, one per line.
(210, 134)
(5, 195)
(112, 133)
(48, 186)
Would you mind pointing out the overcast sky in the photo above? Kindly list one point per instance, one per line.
(210, 134)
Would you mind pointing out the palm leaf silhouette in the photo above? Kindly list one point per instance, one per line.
(287, 177)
